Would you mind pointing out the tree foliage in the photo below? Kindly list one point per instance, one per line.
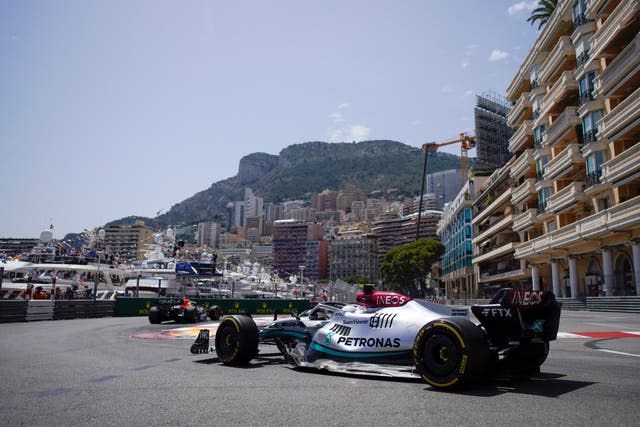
(356, 280)
(543, 12)
(404, 267)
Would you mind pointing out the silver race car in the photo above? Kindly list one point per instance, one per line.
(386, 333)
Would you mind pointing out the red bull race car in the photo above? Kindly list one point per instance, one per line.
(181, 310)
(389, 334)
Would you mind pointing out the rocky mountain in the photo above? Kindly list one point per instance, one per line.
(301, 170)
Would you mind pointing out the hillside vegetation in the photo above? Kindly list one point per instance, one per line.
(301, 170)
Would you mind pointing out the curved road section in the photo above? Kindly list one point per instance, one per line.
(114, 371)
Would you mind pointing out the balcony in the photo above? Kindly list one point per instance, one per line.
(582, 59)
(563, 162)
(590, 136)
(525, 220)
(566, 198)
(495, 253)
(580, 21)
(594, 178)
(559, 23)
(537, 92)
(523, 163)
(618, 218)
(616, 124)
(494, 229)
(563, 128)
(524, 191)
(559, 59)
(493, 206)
(532, 247)
(592, 143)
(522, 137)
(519, 109)
(624, 12)
(512, 272)
(594, 8)
(624, 164)
(564, 86)
(618, 75)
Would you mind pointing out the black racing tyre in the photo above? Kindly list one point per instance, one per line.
(237, 340)
(451, 351)
(191, 315)
(215, 312)
(528, 358)
(155, 316)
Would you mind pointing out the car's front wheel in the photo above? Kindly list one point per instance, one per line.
(237, 340)
(215, 312)
(155, 316)
(448, 352)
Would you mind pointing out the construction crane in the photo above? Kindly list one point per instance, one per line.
(467, 142)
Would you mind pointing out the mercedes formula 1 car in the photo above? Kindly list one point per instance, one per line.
(391, 334)
(181, 310)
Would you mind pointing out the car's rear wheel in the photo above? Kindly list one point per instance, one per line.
(155, 316)
(448, 352)
(191, 315)
(215, 312)
(237, 340)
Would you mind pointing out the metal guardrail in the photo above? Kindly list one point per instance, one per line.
(34, 310)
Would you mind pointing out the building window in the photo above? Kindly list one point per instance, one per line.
(586, 87)
(533, 77)
(594, 168)
(537, 135)
(590, 126)
(579, 13)
(543, 197)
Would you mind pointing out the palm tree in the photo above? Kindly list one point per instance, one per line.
(543, 12)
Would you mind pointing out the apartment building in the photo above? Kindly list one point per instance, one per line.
(455, 231)
(128, 241)
(576, 175)
(494, 241)
(392, 230)
(353, 256)
(293, 248)
(208, 234)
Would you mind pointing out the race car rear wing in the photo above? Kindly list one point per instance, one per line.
(519, 315)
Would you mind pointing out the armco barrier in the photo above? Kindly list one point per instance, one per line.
(33, 310)
(73, 309)
(13, 311)
(39, 310)
(614, 304)
(140, 306)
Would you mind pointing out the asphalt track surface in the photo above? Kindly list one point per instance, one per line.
(94, 372)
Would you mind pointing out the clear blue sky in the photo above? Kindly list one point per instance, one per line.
(117, 108)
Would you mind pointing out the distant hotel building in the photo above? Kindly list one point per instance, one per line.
(392, 230)
(208, 234)
(128, 241)
(353, 256)
(297, 244)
